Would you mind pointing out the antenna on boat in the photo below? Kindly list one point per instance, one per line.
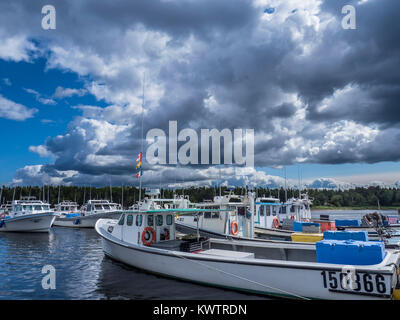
(284, 168)
(48, 194)
(122, 196)
(141, 148)
(90, 192)
(84, 194)
(219, 171)
(110, 191)
(58, 198)
(14, 194)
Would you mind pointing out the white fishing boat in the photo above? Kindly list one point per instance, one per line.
(147, 240)
(234, 222)
(28, 215)
(90, 213)
(269, 216)
(66, 209)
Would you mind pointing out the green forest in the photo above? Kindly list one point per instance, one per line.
(358, 198)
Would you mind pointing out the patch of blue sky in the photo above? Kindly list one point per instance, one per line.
(50, 120)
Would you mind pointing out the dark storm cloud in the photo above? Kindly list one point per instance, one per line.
(300, 80)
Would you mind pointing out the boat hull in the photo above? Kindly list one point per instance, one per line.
(28, 223)
(268, 277)
(85, 221)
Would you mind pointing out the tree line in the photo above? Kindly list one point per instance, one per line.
(128, 195)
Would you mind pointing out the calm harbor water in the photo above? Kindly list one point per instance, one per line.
(83, 272)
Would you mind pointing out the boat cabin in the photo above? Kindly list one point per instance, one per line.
(100, 206)
(144, 227)
(66, 206)
(28, 205)
(233, 220)
(267, 212)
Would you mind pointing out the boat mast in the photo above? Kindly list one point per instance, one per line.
(1, 195)
(58, 198)
(140, 177)
(122, 200)
(284, 168)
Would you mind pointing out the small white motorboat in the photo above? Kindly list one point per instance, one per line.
(147, 240)
(28, 215)
(90, 213)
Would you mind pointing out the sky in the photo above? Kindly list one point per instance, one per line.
(323, 101)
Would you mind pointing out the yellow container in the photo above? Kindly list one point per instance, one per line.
(307, 237)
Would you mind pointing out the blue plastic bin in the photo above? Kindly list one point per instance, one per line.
(71, 215)
(298, 225)
(346, 235)
(350, 252)
(347, 223)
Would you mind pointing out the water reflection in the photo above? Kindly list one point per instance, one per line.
(83, 272)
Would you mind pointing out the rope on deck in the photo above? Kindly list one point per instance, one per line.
(240, 277)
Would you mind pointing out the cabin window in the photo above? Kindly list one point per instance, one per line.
(106, 207)
(98, 207)
(261, 211)
(150, 220)
(159, 220)
(292, 209)
(241, 211)
(169, 219)
(45, 207)
(207, 215)
(139, 220)
(283, 210)
(267, 211)
(121, 220)
(129, 220)
(214, 215)
(38, 207)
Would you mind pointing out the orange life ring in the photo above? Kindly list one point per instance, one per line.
(150, 241)
(234, 226)
(292, 217)
(275, 223)
(166, 234)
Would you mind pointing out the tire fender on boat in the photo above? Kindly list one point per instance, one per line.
(234, 228)
(151, 240)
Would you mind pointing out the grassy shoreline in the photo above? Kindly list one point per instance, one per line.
(330, 208)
